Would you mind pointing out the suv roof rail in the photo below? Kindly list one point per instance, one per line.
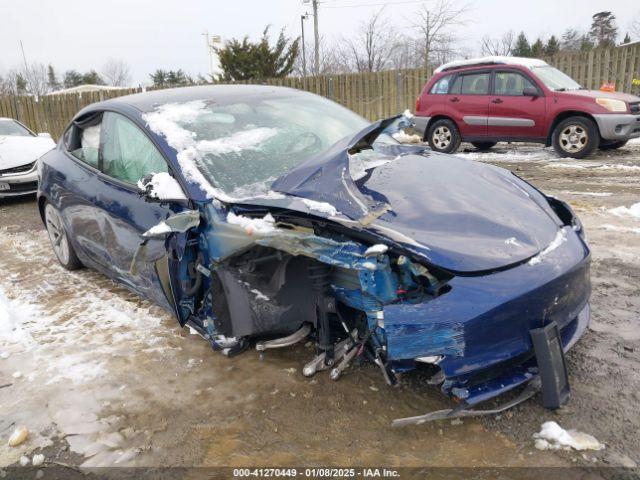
(494, 60)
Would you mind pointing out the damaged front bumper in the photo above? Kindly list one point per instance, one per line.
(481, 328)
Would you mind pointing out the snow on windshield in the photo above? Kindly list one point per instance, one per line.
(237, 150)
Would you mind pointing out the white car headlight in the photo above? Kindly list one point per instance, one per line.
(612, 105)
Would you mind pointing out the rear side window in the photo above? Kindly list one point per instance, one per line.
(127, 153)
(511, 83)
(471, 84)
(441, 87)
(83, 140)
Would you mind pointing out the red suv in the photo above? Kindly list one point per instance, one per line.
(510, 99)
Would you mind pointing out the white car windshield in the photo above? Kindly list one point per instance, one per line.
(13, 129)
(555, 79)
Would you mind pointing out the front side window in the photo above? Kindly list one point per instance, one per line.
(471, 84)
(13, 129)
(511, 84)
(127, 153)
(441, 87)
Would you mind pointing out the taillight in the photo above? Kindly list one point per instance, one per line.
(417, 104)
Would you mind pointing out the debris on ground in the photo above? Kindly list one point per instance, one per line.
(18, 436)
(553, 437)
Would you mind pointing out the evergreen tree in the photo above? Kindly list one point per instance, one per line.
(159, 78)
(552, 47)
(604, 31)
(92, 78)
(586, 44)
(52, 79)
(21, 84)
(243, 60)
(537, 49)
(627, 39)
(72, 79)
(522, 48)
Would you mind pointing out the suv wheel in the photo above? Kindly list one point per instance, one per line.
(576, 137)
(443, 136)
(59, 239)
(483, 146)
(604, 145)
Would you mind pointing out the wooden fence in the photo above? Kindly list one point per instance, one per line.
(372, 95)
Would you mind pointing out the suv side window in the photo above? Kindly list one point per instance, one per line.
(441, 87)
(127, 153)
(471, 84)
(511, 84)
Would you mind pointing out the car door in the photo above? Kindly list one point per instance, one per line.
(513, 111)
(127, 154)
(468, 103)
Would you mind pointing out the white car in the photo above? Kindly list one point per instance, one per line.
(19, 150)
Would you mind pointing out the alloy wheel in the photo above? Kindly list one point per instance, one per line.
(573, 138)
(441, 137)
(57, 234)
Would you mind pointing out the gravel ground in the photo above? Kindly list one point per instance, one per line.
(101, 377)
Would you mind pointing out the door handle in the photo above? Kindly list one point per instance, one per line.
(496, 100)
(454, 99)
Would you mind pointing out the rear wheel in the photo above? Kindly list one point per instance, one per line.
(604, 145)
(483, 146)
(576, 137)
(59, 239)
(443, 136)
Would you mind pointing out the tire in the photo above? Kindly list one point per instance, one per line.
(575, 137)
(484, 146)
(59, 239)
(443, 136)
(612, 145)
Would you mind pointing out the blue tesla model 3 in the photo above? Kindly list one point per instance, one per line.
(262, 216)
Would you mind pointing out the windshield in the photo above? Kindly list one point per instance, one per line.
(242, 147)
(554, 79)
(14, 129)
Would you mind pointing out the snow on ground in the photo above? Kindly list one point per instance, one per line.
(64, 342)
(632, 211)
(553, 437)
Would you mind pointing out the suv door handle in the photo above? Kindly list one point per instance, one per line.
(454, 99)
(496, 100)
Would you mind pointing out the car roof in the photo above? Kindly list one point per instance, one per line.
(492, 60)
(150, 100)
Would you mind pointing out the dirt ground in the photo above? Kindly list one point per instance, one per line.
(102, 377)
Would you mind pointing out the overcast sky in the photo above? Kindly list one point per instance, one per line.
(150, 34)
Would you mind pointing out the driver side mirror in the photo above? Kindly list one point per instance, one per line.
(161, 187)
(530, 92)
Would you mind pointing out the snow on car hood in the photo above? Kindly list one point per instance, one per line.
(18, 150)
(461, 215)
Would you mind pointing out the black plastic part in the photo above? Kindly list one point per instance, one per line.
(547, 344)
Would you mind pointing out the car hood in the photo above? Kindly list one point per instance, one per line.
(460, 215)
(626, 97)
(17, 150)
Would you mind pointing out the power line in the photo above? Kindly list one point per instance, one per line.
(373, 4)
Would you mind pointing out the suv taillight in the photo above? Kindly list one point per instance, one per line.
(417, 104)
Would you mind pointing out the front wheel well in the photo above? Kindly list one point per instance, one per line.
(41, 203)
(564, 115)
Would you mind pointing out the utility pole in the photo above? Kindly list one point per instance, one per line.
(304, 50)
(316, 66)
(206, 36)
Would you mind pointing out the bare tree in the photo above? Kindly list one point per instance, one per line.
(372, 47)
(37, 77)
(634, 26)
(116, 72)
(331, 59)
(502, 46)
(434, 24)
